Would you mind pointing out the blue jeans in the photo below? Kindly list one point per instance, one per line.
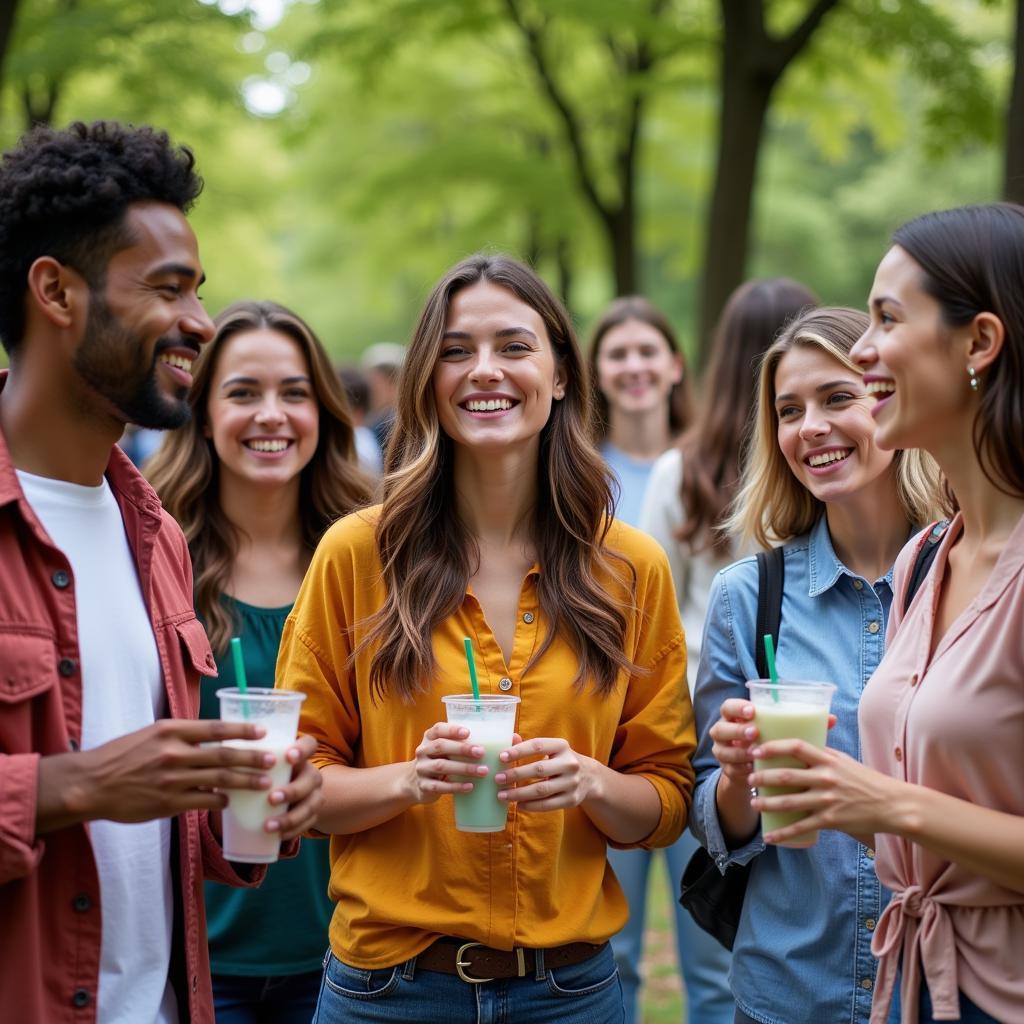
(705, 963)
(287, 999)
(585, 993)
(969, 1012)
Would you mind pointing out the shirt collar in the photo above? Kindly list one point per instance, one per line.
(126, 481)
(824, 566)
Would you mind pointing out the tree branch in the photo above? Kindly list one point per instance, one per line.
(573, 132)
(792, 44)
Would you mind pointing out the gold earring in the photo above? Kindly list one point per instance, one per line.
(973, 378)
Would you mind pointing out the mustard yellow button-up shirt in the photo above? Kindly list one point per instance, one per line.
(545, 880)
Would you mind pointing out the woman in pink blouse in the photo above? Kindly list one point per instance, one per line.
(941, 793)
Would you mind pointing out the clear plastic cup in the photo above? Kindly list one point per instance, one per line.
(491, 723)
(248, 810)
(789, 710)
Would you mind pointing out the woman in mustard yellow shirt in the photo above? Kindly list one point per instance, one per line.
(495, 525)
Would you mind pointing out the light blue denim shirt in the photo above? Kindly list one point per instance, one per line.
(803, 950)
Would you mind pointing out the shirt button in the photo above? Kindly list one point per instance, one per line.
(528, 617)
(61, 580)
(858, 584)
(66, 666)
(865, 983)
(913, 679)
(82, 903)
(871, 854)
(195, 982)
(898, 754)
(869, 923)
(81, 998)
(505, 684)
(73, 745)
(873, 627)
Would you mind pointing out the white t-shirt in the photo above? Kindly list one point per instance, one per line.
(122, 691)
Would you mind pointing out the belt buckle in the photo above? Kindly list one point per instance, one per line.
(460, 963)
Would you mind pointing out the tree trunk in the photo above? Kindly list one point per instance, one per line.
(8, 8)
(1013, 182)
(620, 230)
(745, 98)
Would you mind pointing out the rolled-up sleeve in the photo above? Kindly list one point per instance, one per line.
(721, 674)
(656, 737)
(20, 849)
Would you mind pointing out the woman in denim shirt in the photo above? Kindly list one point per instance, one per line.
(843, 508)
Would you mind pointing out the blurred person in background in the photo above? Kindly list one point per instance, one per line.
(357, 391)
(382, 363)
(689, 490)
(264, 465)
(643, 399)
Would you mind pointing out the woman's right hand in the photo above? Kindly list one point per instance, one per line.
(434, 763)
(734, 734)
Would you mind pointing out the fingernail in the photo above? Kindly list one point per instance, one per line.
(499, 779)
(503, 795)
(277, 797)
(477, 751)
(265, 782)
(750, 732)
(756, 752)
(273, 825)
(503, 756)
(268, 760)
(482, 769)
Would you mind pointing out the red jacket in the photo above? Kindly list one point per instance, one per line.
(50, 913)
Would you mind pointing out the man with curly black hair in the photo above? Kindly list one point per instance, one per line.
(109, 815)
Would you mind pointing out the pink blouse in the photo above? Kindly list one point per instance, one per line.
(953, 722)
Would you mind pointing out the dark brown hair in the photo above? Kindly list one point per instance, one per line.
(713, 447)
(973, 262)
(428, 554)
(185, 470)
(636, 307)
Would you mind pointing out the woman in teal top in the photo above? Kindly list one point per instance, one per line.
(265, 465)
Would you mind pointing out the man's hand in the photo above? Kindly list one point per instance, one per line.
(171, 766)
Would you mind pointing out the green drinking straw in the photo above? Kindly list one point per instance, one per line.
(769, 656)
(243, 686)
(472, 671)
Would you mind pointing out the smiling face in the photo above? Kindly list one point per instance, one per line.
(636, 367)
(914, 365)
(262, 413)
(147, 325)
(825, 429)
(496, 374)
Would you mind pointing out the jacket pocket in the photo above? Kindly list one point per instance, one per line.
(196, 648)
(28, 666)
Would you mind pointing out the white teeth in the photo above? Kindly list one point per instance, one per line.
(267, 446)
(826, 457)
(880, 387)
(181, 362)
(491, 405)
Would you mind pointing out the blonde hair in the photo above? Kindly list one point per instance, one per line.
(772, 506)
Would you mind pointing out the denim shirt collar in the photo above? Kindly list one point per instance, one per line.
(823, 566)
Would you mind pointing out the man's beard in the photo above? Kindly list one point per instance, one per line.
(115, 363)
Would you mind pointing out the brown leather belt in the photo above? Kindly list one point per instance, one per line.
(476, 963)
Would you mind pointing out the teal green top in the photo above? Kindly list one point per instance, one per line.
(281, 927)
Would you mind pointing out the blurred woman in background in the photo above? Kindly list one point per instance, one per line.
(683, 511)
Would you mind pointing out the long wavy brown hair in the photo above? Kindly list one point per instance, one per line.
(636, 307)
(185, 470)
(714, 445)
(427, 552)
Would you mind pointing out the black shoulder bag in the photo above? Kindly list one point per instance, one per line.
(714, 900)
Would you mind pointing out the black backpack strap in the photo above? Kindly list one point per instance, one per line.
(923, 561)
(771, 574)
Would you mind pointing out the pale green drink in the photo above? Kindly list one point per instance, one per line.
(491, 724)
(789, 711)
